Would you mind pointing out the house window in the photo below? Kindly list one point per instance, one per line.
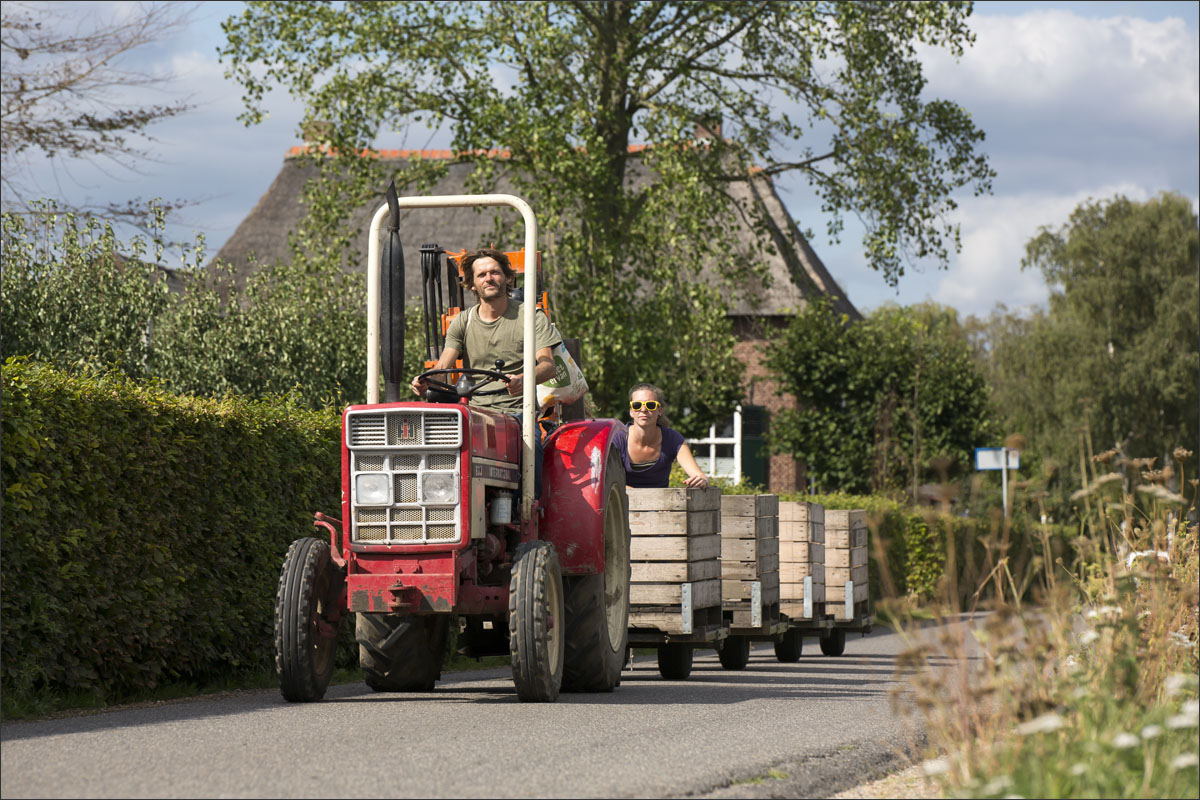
(735, 449)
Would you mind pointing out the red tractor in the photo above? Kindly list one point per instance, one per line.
(430, 536)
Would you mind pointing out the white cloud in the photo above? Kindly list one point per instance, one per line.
(994, 233)
(1119, 70)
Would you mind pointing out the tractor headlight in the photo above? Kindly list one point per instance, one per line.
(438, 487)
(372, 489)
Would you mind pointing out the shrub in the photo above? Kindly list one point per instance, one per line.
(143, 531)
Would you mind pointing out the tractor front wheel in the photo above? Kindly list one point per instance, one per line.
(789, 646)
(835, 643)
(734, 652)
(675, 661)
(536, 622)
(306, 620)
(597, 606)
(401, 653)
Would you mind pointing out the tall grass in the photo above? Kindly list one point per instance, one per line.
(1086, 684)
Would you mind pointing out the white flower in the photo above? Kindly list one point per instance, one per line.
(1124, 741)
(1177, 682)
(1043, 724)
(1151, 732)
(997, 784)
(1179, 640)
(1095, 613)
(1191, 707)
(1078, 769)
(1073, 665)
(1184, 760)
(935, 766)
(1180, 721)
(1088, 636)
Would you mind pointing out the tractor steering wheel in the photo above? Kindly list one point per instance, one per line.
(464, 388)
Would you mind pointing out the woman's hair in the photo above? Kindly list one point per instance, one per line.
(663, 422)
(468, 266)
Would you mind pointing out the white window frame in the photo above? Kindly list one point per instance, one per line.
(711, 442)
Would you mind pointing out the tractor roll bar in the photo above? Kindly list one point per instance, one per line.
(373, 267)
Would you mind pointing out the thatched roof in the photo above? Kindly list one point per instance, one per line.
(796, 271)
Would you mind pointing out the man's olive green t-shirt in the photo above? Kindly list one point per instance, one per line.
(480, 343)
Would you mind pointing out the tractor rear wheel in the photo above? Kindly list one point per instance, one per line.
(789, 646)
(306, 617)
(835, 643)
(536, 622)
(734, 652)
(401, 653)
(675, 661)
(597, 606)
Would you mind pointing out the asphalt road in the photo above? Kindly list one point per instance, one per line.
(828, 723)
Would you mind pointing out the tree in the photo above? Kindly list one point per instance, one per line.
(1116, 355)
(829, 90)
(62, 88)
(879, 401)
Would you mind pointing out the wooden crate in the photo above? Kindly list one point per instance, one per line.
(838, 539)
(801, 552)
(676, 541)
(704, 593)
(797, 572)
(732, 591)
(749, 570)
(794, 593)
(839, 557)
(733, 549)
(843, 519)
(669, 619)
(708, 499)
(750, 505)
(675, 548)
(835, 597)
(835, 582)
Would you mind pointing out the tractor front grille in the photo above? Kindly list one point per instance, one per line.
(404, 445)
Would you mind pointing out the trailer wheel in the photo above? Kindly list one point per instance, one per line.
(305, 636)
(536, 622)
(401, 653)
(734, 652)
(597, 606)
(789, 646)
(675, 661)
(835, 643)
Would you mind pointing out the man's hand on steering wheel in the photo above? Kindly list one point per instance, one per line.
(463, 388)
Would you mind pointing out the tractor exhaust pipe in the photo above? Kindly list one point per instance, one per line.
(391, 306)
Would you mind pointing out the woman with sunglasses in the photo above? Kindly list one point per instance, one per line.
(649, 447)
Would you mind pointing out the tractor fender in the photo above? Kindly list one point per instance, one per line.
(576, 455)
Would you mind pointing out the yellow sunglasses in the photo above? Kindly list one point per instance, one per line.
(651, 405)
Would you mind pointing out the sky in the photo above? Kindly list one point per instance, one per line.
(1079, 100)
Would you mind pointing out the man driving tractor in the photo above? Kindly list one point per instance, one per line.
(491, 332)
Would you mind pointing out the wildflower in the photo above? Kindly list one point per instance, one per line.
(1078, 769)
(997, 784)
(1088, 636)
(1177, 682)
(1043, 724)
(1162, 493)
(1161, 555)
(935, 766)
(1124, 741)
(1184, 760)
(1189, 716)
(1181, 454)
(1179, 639)
(1151, 732)
(1096, 613)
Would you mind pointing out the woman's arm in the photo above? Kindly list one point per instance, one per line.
(696, 477)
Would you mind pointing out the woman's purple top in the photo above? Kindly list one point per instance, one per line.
(656, 475)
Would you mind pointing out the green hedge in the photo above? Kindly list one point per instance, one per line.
(143, 532)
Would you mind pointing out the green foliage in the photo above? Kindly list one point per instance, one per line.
(72, 294)
(566, 88)
(68, 293)
(1116, 356)
(143, 532)
(880, 402)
